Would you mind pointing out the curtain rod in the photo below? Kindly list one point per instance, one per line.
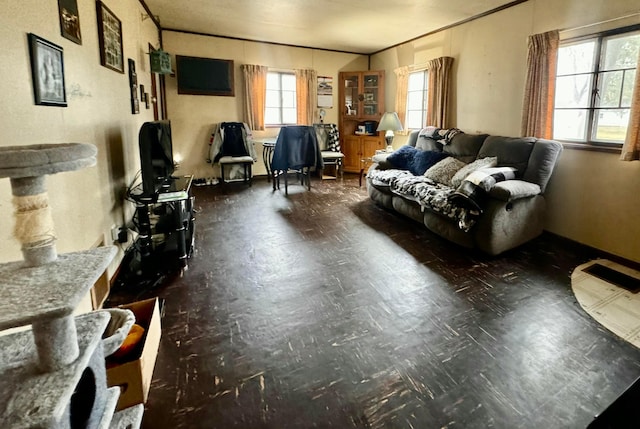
(599, 23)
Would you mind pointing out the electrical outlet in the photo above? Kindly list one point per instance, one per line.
(114, 233)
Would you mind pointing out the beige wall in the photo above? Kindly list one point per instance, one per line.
(192, 116)
(85, 203)
(593, 197)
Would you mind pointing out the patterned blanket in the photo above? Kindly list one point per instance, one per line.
(429, 194)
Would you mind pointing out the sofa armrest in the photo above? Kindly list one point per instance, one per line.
(381, 160)
(511, 190)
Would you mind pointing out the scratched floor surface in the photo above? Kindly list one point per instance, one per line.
(324, 310)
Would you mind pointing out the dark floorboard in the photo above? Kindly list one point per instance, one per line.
(323, 310)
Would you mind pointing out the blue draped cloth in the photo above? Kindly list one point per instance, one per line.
(296, 147)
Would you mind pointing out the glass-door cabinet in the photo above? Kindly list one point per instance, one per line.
(363, 94)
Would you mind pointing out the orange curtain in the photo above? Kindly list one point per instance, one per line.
(439, 91)
(540, 87)
(402, 84)
(631, 146)
(255, 93)
(306, 96)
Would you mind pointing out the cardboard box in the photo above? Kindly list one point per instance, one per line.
(134, 375)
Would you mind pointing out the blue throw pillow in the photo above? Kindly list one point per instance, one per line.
(415, 160)
(424, 160)
(402, 157)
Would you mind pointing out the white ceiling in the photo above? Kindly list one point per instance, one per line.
(360, 26)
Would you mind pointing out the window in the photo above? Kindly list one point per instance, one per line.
(417, 100)
(280, 106)
(594, 85)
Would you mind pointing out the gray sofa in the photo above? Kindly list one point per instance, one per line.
(512, 211)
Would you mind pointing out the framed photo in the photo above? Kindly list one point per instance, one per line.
(70, 20)
(133, 83)
(110, 38)
(47, 72)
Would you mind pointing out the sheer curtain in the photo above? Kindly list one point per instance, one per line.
(631, 146)
(540, 87)
(439, 91)
(255, 94)
(306, 95)
(402, 85)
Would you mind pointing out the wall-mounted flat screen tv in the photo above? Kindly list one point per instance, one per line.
(204, 76)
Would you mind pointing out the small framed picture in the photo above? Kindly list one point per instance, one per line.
(110, 38)
(70, 20)
(47, 72)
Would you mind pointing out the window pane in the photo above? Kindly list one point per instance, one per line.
(627, 89)
(288, 99)
(620, 51)
(271, 115)
(288, 82)
(416, 81)
(414, 119)
(273, 98)
(576, 58)
(610, 89)
(415, 101)
(611, 125)
(570, 124)
(573, 91)
(289, 116)
(273, 80)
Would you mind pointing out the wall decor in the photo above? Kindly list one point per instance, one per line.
(47, 72)
(70, 20)
(146, 100)
(325, 91)
(133, 85)
(110, 38)
(141, 92)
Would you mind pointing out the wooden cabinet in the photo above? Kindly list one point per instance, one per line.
(356, 148)
(361, 98)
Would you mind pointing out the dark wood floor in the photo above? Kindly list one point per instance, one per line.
(324, 310)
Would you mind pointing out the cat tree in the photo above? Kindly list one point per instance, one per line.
(53, 375)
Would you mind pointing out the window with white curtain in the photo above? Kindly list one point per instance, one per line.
(280, 105)
(417, 100)
(594, 85)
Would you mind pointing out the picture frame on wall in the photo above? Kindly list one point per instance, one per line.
(70, 20)
(109, 38)
(133, 84)
(47, 72)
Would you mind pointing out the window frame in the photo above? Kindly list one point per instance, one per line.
(590, 143)
(425, 92)
(280, 108)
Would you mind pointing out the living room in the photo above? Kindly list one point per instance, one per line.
(591, 199)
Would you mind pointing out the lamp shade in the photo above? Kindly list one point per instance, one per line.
(389, 122)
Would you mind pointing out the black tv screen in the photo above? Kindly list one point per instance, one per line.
(204, 76)
(156, 156)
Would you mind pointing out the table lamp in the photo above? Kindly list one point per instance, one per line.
(389, 123)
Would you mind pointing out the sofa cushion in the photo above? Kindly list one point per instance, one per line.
(465, 147)
(415, 160)
(427, 143)
(443, 171)
(479, 163)
(510, 151)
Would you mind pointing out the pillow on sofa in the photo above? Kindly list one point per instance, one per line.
(414, 160)
(488, 162)
(474, 189)
(443, 171)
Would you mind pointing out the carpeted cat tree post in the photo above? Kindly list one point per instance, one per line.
(53, 375)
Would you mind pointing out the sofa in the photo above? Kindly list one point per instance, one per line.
(477, 190)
